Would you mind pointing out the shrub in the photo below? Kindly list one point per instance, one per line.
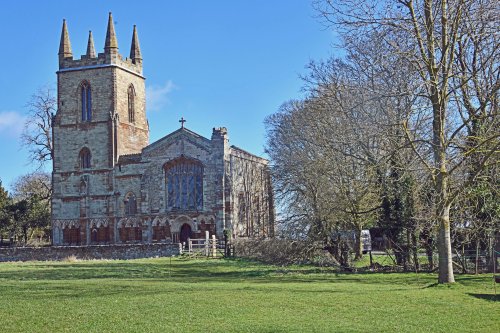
(71, 258)
(283, 251)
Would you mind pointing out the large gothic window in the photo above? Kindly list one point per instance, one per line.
(130, 204)
(184, 184)
(131, 104)
(85, 158)
(86, 101)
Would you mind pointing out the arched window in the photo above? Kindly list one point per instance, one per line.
(130, 204)
(184, 184)
(86, 101)
(85, 158)
(131, 104)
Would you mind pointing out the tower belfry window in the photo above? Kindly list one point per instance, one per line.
(86, 101)
(131, 104)
(85, 158)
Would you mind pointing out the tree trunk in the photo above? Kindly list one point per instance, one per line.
(358, 244)
(409, 248)
(490, 251)
(344, 255)
(414, 248)
(443, 203)
(476, 271)
(428, 245)
(25, 235)
(444, 247)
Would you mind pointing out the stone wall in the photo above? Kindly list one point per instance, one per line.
(117, 251)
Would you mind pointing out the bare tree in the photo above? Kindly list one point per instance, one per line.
(428, 34)
(37, 183)
(37, 133)
(368, 133)
(326, 185)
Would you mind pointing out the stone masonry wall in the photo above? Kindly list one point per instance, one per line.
(117, 251)
(250, 193)
(132, 137)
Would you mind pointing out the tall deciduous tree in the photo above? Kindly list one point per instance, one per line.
(37, 133)
(323, 157)
(371, 129)
(430, 35)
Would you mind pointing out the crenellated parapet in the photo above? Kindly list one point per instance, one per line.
(110, 56)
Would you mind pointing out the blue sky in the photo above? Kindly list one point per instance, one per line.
(216, 63)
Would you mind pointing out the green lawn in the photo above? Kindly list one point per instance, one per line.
(150, 295)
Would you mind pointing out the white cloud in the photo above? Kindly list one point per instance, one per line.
(157, 96)
(11, 123)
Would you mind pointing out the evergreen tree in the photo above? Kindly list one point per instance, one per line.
(4, 211)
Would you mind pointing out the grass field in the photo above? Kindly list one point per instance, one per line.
(152, 295)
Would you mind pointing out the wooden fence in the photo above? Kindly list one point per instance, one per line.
(209, 247)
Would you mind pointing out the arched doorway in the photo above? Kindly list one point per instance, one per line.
(185, 233)
(93, 235)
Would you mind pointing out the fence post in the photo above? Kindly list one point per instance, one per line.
(190, 245)
(495, 277)
(180, 248)
(477, 257)
(207, 243)
(226, 246)
(214, 246)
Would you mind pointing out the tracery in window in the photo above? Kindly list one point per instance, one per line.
(130, 204)
(85, 158)
(86, 101)
(131, 104)
(184, 184)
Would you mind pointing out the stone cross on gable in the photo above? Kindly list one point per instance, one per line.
(182, 121)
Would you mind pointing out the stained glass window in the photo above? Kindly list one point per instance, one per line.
(184, 184)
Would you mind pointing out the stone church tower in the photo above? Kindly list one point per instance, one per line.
(111, 186)
(101, 115)
(94, 109)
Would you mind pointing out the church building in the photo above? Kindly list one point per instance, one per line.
(110, 185)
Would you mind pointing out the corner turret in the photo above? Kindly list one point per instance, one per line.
(111, 44)
(135, 49)
(90, 47)
(64, 46)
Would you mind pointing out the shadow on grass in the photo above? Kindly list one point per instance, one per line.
(199, 271)
(432, 285)
(487, 297)
(180, 269)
